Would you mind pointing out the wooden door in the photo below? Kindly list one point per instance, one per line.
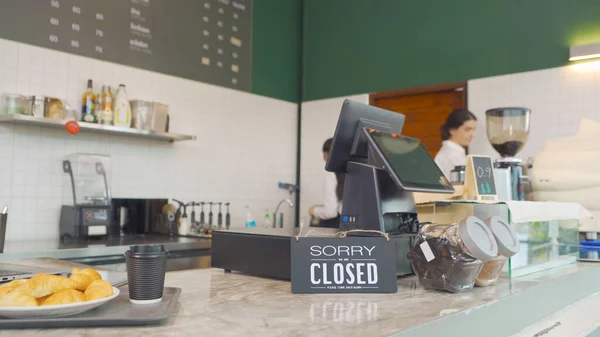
(426, 110)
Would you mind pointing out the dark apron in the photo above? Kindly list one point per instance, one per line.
(331, 223)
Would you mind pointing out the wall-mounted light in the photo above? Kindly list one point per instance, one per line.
(584, 52)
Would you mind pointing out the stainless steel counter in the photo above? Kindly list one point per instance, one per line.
(115, 247)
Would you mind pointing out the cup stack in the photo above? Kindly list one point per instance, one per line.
(146, 267)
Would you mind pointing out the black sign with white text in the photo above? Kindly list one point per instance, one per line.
(343, 265)
(484, 175)
(203, 40)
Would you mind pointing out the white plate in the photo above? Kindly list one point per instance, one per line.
(55, 310)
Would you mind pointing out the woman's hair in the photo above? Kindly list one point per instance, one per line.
(457, 118)
(327, 145)
(341, 177)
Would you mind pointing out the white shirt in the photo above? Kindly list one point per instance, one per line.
(332, 207)
(450, 155)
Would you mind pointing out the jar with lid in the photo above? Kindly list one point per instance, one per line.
(54, 108)
(508, 245)
(11, 104)
(457, 175)
(450, 257)
(36, 106)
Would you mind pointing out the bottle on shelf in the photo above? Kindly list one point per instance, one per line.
(267, 221)
(99, 105)
(122, 108)
(107, 107)
(88, 102)
(249, 218)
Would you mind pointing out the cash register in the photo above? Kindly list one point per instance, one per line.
(382, 171)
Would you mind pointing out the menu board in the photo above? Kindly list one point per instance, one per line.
(484, 175)
(203, 40)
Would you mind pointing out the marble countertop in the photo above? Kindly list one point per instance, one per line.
(214, 303)
(57, 249)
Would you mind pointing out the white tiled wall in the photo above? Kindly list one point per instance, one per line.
(558, 99)
(319, 119)
(246, 143)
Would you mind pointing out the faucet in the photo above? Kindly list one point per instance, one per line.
(278, 223)
(291, 188)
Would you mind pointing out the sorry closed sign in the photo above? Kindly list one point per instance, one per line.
(343, 265)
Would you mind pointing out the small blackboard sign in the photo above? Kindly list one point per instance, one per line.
(484, 175)
(343, 265)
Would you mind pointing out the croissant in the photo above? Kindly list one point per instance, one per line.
(98, 289)
(82, 280)
(42, 299)
(13, 284)
(67, 296)
(5, 290)
(88, 271)
(9, 297)
(43, 284)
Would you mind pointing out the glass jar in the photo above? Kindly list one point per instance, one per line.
(508, 245)
(11, 104)
(490, 273)
(54, 108)
(450, 257)
(36, 106)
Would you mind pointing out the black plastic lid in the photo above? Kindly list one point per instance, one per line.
(458, 168)
(147, 249)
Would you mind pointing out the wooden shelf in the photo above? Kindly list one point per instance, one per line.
(95, 128)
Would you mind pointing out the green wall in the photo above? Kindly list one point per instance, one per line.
(276, 48)
(358, 46)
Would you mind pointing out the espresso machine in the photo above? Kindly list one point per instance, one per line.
(508, 131)
(90, 212)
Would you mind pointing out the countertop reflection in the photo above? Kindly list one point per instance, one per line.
(89, 248)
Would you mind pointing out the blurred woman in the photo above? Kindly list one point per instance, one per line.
(457, 133)
(333, 193)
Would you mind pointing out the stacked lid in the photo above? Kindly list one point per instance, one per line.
(478, 238)
(508, 244)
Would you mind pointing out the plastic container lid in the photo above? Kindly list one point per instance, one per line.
(508, 244)
(9, 95)
(147, 251)
(478, 239)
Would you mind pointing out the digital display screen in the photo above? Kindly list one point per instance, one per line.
(410, 162)
(101, 216)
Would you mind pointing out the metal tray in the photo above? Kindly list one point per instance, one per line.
(118, 312)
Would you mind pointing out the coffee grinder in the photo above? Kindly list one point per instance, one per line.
(508, 131)
(90, 214)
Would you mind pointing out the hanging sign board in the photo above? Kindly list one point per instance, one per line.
(343, 265)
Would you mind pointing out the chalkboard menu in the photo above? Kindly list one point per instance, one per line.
(203, 40)
(484, 175)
